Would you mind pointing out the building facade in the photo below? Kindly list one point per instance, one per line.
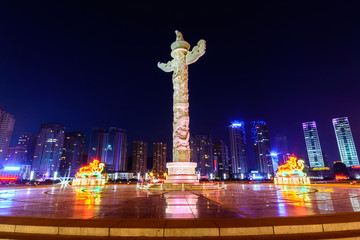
(262, 149)
(221, 160)
(201, 153)
(73, 153)
(139, 158)
(345, 141)
(48, 150)
(27, 142)
(159, 158)
(96, 144)
(110, 147)
(281, 148)
(239, 163)
(313, 146)
(7, 122)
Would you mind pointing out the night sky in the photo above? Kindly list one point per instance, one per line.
(91, 64)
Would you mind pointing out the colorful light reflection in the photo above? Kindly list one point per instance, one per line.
(90, 195)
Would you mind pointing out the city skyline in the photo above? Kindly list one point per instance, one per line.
(95, 62)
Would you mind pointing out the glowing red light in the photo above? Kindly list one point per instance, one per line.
(340, 177)
(356, 167)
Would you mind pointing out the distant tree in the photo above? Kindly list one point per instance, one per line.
(340, 168)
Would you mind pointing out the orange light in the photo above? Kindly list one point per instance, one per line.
(8, 178)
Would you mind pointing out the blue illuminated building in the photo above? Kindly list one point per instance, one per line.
(110, 147)
(345, 142)
(313, 144)
(275, 161)
(238, 150)
(260, 134)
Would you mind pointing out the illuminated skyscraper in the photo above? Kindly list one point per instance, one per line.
(159, 158)
(139, 157)
(73, 153)
(345, 141)
(262, 148)
(201, 153)
(48, 149)
(7, 122)
(312, 142)
(221, 160)
(238, 150)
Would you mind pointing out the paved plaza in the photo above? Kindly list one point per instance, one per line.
(125, 201)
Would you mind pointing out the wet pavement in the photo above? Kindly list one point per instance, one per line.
(125, 201)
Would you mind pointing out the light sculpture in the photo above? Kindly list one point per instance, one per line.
(292, 173)
(90, 175)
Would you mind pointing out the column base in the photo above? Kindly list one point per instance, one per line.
(181, 172)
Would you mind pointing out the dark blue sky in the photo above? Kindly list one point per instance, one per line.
(93, 64)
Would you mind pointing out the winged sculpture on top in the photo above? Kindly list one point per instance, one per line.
(191, 56)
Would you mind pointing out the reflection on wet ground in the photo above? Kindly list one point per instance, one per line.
(125, 201)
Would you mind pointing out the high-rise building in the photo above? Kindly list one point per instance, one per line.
(110, 147)
(312, 142)
(239, 165)
(139, 157)
(281, 148)
(16, 156)
(201, 153)
(261, 138)
(345, 142)
(48, 149)
(27, 142)
(7, 122)
(275, 162)
(159, 158)
(114, 150)
(73, 153)
(96, 144)
(221, 159)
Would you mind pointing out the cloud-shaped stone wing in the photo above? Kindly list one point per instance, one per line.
(196, 52)
(166, 67)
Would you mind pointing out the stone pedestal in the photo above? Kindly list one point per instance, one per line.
(181, 172)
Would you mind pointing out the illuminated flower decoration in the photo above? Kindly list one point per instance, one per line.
(292, 167)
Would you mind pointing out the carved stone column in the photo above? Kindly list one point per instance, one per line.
(181, 170)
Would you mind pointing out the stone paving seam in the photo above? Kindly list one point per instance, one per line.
(216, 225)
(224, 207)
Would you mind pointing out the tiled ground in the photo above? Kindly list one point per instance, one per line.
(124, 201)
